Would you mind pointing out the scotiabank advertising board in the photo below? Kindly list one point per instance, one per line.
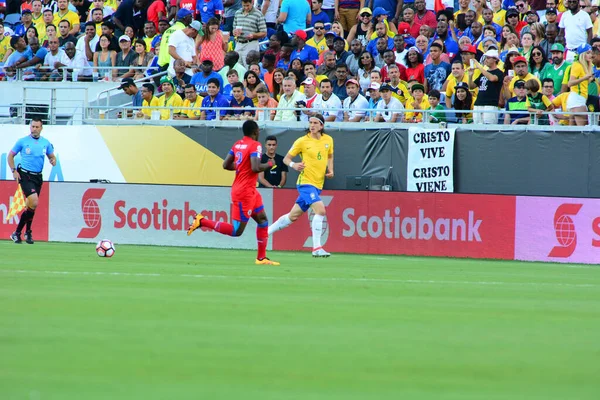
(143, 214)
(40, 221)
(558, 229)
(432, 224)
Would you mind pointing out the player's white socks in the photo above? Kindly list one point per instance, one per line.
(283, 222)
(317, 230)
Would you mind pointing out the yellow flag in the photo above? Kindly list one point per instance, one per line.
(18, 203)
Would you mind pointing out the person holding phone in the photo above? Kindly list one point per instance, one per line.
(489, 84)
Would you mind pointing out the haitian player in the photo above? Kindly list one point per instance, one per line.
(244, 159)
(316, 151)
(33, 149)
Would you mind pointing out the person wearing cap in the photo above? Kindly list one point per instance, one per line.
(551, 16)
(513, 20)
(124, 59)
(355, 104)
(294, 15)
(301, 50)
(316, 150)
(581, 75)
(182, 46)
(170, 99)
(576, 28)
(129, 87)
(184, 18)
(26, 23)
(359, 30)
(463, 101)
(521, 73)
(374, 99)
(418, 100)
(489, 85)
(63, 12)
(517, 103)
(201, 79)
(388, 108)
(311, 95)
(318, 41)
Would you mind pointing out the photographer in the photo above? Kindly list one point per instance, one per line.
(289, 99)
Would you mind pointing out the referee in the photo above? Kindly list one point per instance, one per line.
(33, 149)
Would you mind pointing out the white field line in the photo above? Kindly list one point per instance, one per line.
(314, 279)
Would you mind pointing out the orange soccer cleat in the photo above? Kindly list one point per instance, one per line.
(196, 224)
(266, 261)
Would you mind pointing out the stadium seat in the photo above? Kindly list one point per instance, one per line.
(12, 20)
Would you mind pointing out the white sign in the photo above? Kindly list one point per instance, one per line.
(144, 214)
(430, 160)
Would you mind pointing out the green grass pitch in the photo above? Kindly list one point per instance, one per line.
(187, 323)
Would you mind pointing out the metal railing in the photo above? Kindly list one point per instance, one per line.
(68, 73)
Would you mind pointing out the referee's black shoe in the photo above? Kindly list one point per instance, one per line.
(16, 237)
(28, 237)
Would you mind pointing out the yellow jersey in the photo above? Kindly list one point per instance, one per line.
(560, 101)
(173, 101)
(321, 46)
(499, 17)
(70, 16)
(529, 76)
(4, 46)
(38, 23)
(195, 113)
(147, 107)
(451, 86)
(416, 116)
(314, 153)
(577, 72)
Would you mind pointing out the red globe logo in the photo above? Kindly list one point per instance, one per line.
(565, 230)
(91, 213)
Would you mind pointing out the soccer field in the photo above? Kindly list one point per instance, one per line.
(187, 323)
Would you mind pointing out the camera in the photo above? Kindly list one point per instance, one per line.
(300, 103)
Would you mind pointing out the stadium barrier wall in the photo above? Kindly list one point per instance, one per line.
(518, 162)
(423, 224)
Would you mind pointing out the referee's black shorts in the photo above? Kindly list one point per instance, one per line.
(31, 182)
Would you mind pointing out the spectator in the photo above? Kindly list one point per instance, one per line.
(548, 88)
(374, 99)
(284, 58)
(96, 17)
(253, 57)
(148, 101)
(489, 84)
(289, 99)
(213, 44)
(424, 16)
(201, 79)
(294, 15)
(417, 101)
(251, 82)
(108, 29)
(521, 73)
(88, 41)
(104, 58)
(268, 65)
(575, 27)
(244, 107)
(31, 33)
(209, 9)
(129, 87)
(463, 100)
(170, 101)
(354, 101)
(557, 70)
(183, 47)
(129, 32)
(124, 59)
(318, 15)
(48, 19)
(388, 108)
(550, 40)
(415, 68)
(149, 34)
(20, 54)
(65, 37)
(517, 103)
(54, 60)
(231, 61)
(301, 50)
(399, 89)
(269, 9)
(537, 61)
(328, 68)
(310, 92)
(277, 90)
(232, 77)
(26, 23)
(184, 18)
(276, 176)
(449, 43)
(63, 13)
(339, 51)
(537, 103)
(434, 104)
(181, 78)
(265, 101)
(213, 101)
(381, 33)
(50, 34)
(78, 67)
(250, 27)
(37, 16)
(579, 79)
(192, 105)
(231, 8)
(329, 104)
(437, 72)
(131, 13)
(274, 46)
(142, 59)
(366, 65)
(526, 44)
(339, 85)
(156, 11)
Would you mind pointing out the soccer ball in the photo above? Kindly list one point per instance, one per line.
(105, 248)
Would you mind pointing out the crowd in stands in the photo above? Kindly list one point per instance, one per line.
(352, 60)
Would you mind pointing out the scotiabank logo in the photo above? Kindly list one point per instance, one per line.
(392, 225)
(91, 213)
(564, 229)
(160, 216)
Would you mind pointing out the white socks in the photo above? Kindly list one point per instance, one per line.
(317, 230)
(283, 222)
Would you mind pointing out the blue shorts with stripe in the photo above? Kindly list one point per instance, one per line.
(307, 195)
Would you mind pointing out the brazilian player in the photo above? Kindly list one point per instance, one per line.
(244, 159)
(316, 151)
(33, 149)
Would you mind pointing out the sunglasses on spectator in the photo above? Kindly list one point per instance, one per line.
(365, 15)
(319, 27)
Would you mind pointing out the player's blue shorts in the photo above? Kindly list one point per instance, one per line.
(307, 195)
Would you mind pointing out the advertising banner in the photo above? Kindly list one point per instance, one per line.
(144, 214)
(432, 224)
(81, 153)
(40, 221)
(430, 160)
(558, 229)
